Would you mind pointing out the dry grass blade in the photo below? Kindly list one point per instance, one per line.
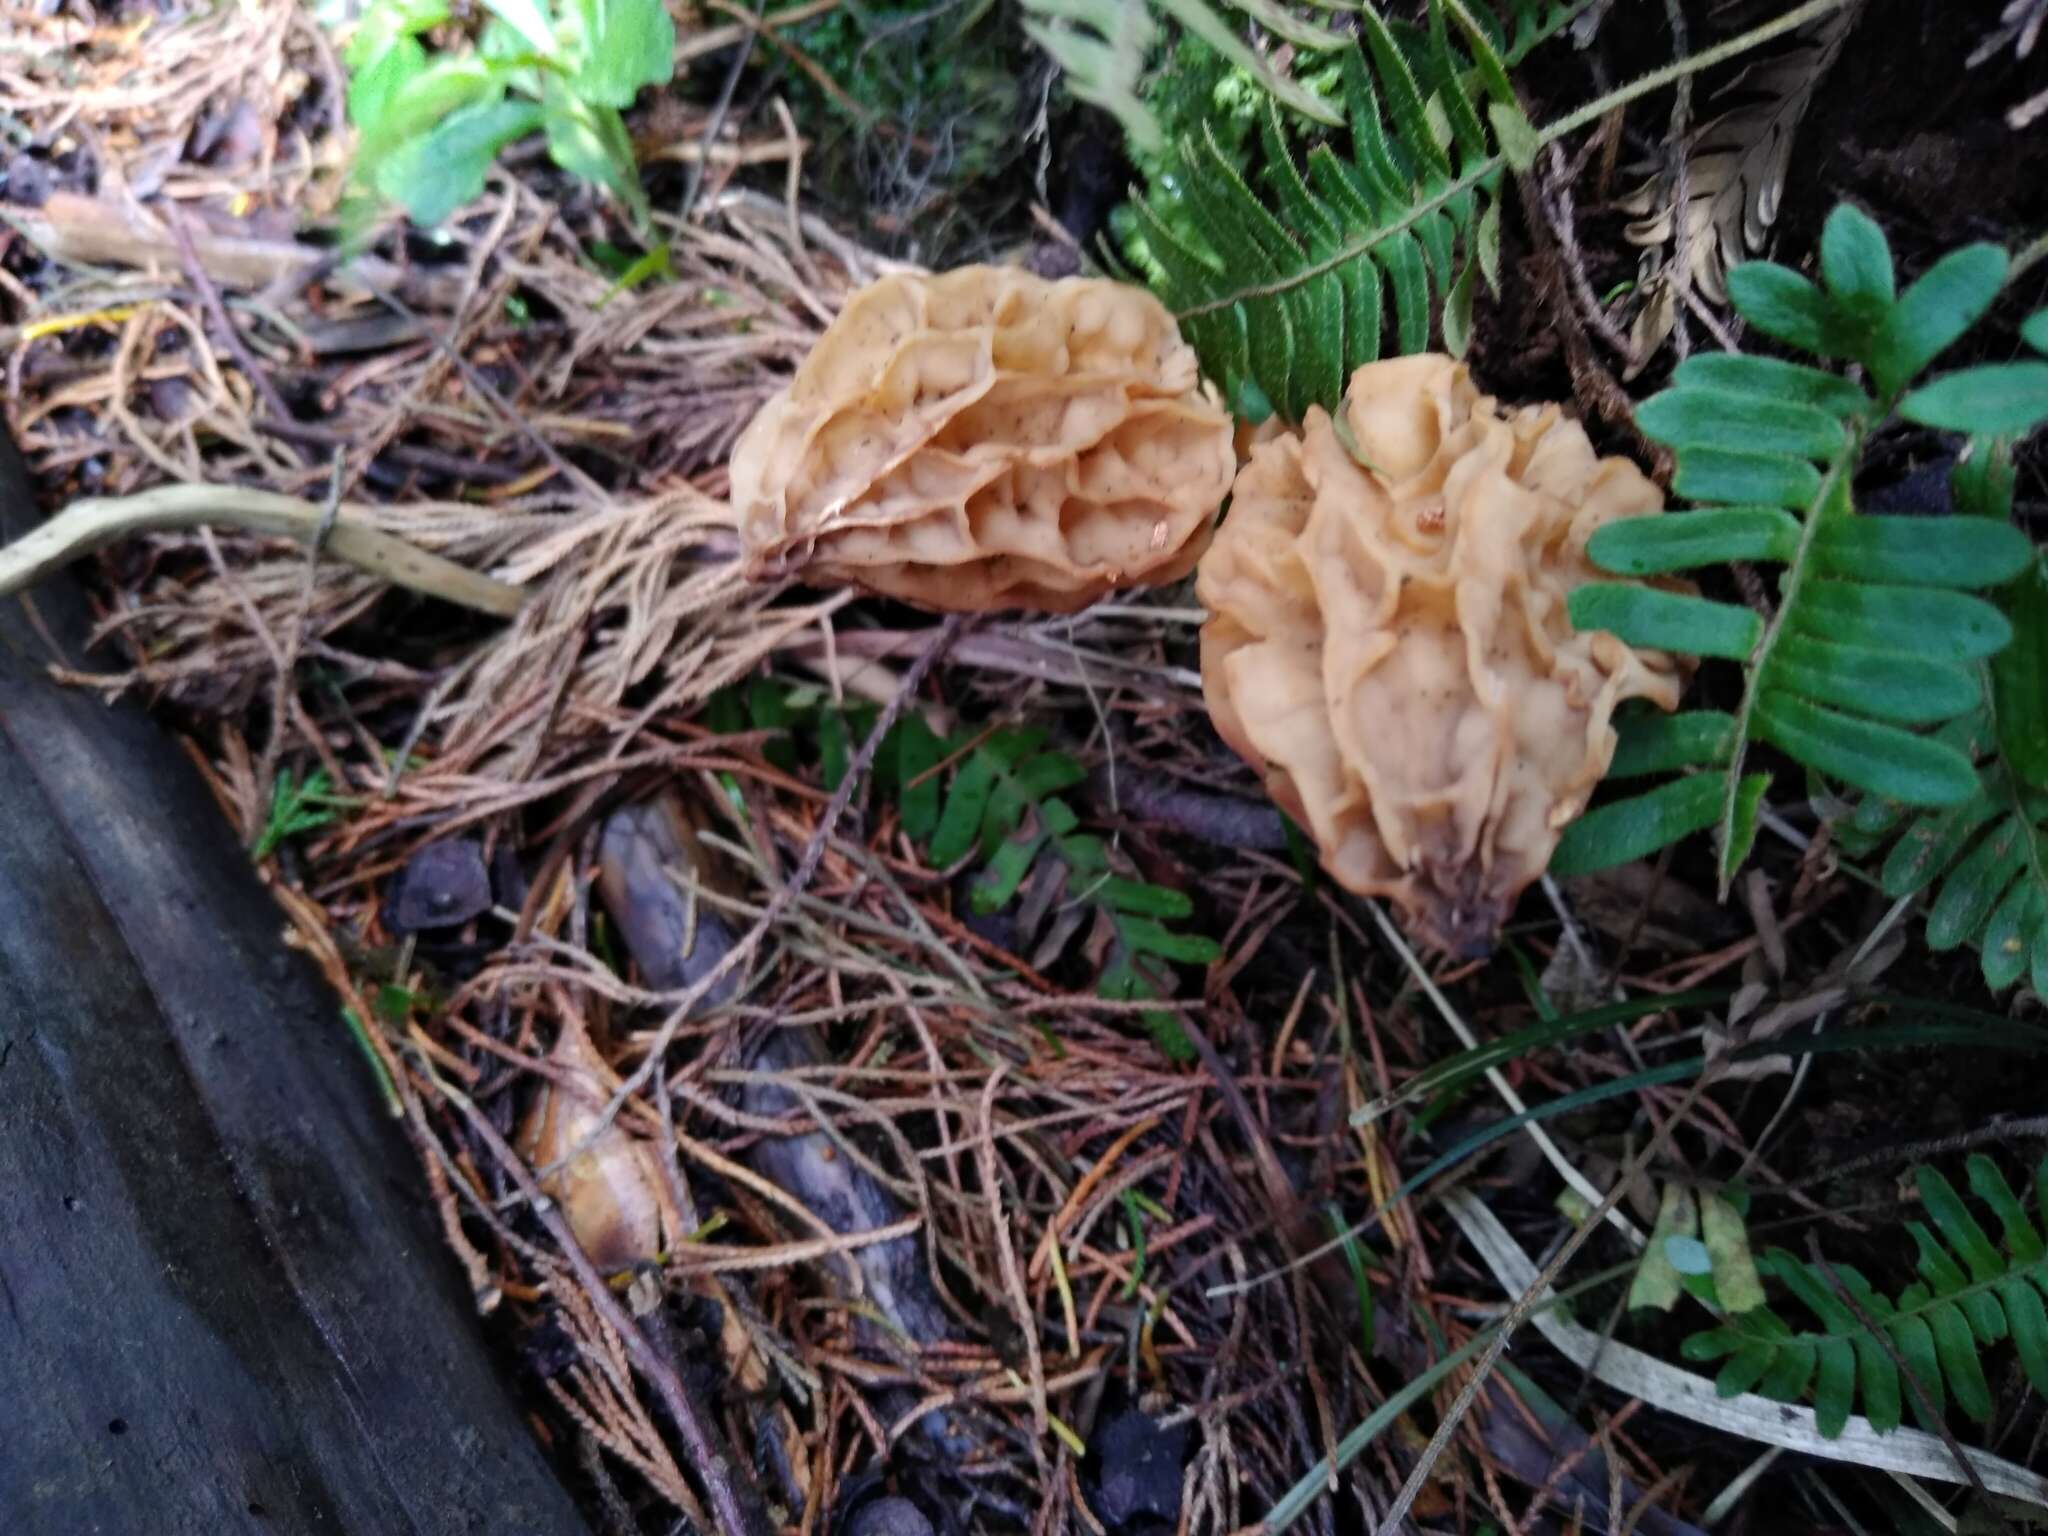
(1735, 167)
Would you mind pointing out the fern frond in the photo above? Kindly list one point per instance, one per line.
(1004, 804)
(1877, 632)
(1985, 861)
(1735, 169)
(1972, 1293)
(1407, 218)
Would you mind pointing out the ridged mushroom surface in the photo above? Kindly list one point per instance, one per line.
(1388, 641)
(983, 439)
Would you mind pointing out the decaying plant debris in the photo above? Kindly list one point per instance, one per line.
(935, 1224)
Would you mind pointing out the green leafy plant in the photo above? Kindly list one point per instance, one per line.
(430, 124)
(1877, 632)
(999, 807)
(1284, 301)
(1972, 1293)
(1003, 805)
(1986, 859)
(296, 808)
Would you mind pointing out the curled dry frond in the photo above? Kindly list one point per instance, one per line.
(1735, 169)
(1389, 644)
(987, 439)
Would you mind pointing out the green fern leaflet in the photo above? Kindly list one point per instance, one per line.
(1283, 300)
(1877, 633)
(1972, 1294)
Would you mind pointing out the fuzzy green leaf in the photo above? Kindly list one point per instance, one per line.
(1885, 685)
(1689, 418)
(2022, 1239)
(1773, 378)
(1880, 758)
(1737, 476)
(629, 45)
(1972, 889)
(1915, 1344)
(1740, 832)
(1946, 301)
(1956, 1350)
(2035, 331)
(2019, 679)
(1856, 261)
(1665, 621)
(1926, 621)
(1625, 830)
(1784, 305)
(438, 173)
(1150, 938)
(1656, 743)
(1684, 541)
(1997, 399)
(1921, 551)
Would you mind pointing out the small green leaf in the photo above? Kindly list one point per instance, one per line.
(1741, 832)
(1784, 305)
(1929, 621)
(2035, 330)
(1856, 261)
(1657, 743)
(1737, 476)
(1773, 378)
(1948, 299)
(918, 751)
(1987, 1183)
(1921, 551)
(1785, 1381)
(1006, 870)
(1915, 1344)
(1949, 1212)
(1518, 140)
(1488, 243)
(1457, 318)
(1973, 887)
(960, 822)
(1884, 685)
(1684, 541)
(1147, 937)
(2020, 678)
(1745, 1368)
(1956, 1351)
(1666, 621)
(1624, 830)
(1880, 758)
(1142, 898)
(630, 44)
(1834, 1391)
(1996, 399)
(2029, 1324)
(1693, 417)
(438, 173)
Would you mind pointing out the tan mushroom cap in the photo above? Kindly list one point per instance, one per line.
(1389, 645)
(985, 439)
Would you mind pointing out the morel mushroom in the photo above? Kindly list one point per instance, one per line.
(987, 439)
(1388, 640)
